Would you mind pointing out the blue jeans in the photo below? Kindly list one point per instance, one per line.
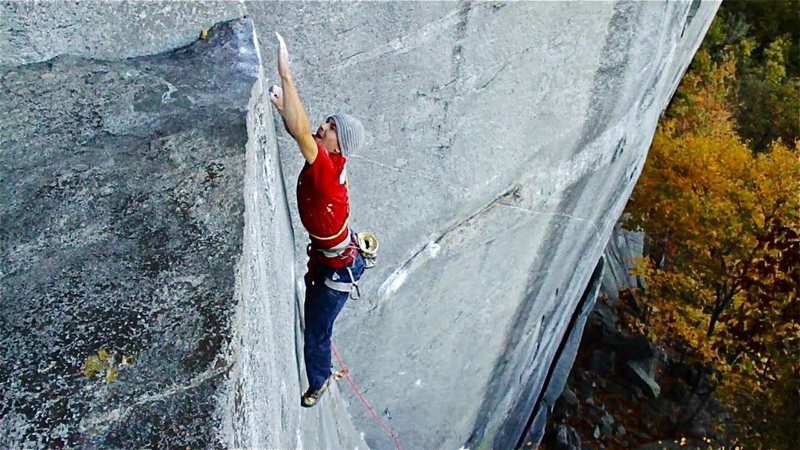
(322, 305)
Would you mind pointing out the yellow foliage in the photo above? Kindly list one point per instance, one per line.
(103, 361)
(111, 374)
(94, 364)
(724, 221)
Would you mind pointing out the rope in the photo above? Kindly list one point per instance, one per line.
(343, 370)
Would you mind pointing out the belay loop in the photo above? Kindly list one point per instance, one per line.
(367, 244)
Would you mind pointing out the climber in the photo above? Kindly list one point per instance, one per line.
(335, 265)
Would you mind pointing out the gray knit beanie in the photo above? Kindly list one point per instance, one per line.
(349, 131)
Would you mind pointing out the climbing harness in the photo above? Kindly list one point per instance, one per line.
(338, 257)
(365, 243)
(338, 250)
(345, 286)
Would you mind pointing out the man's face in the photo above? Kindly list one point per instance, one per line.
(326, 136)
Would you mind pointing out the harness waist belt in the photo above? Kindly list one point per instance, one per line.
(341, 286)
(337, 249)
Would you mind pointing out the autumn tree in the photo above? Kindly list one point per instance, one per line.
(763, 333)
(769, 98)
(763, 39)
(725, 222)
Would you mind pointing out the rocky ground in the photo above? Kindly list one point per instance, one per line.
(625, 392)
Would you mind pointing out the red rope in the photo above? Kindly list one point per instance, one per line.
(386, 428)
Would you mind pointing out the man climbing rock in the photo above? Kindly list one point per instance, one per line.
(335, 265)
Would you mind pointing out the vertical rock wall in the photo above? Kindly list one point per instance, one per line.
(261, 407)
(623, 248)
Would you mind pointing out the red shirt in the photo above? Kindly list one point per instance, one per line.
(322, 198)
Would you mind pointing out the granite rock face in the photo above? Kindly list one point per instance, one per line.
(505, 139)
(623, 247)
(122, 219)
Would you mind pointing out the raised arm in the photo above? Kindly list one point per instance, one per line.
(288, 104)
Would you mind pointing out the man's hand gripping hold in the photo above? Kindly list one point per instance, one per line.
(287, 101)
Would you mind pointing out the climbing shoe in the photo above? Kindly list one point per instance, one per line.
(311, 396)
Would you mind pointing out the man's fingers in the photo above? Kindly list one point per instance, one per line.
(283, 56)
(282, 51)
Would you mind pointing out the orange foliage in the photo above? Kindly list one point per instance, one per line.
(725, 222)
